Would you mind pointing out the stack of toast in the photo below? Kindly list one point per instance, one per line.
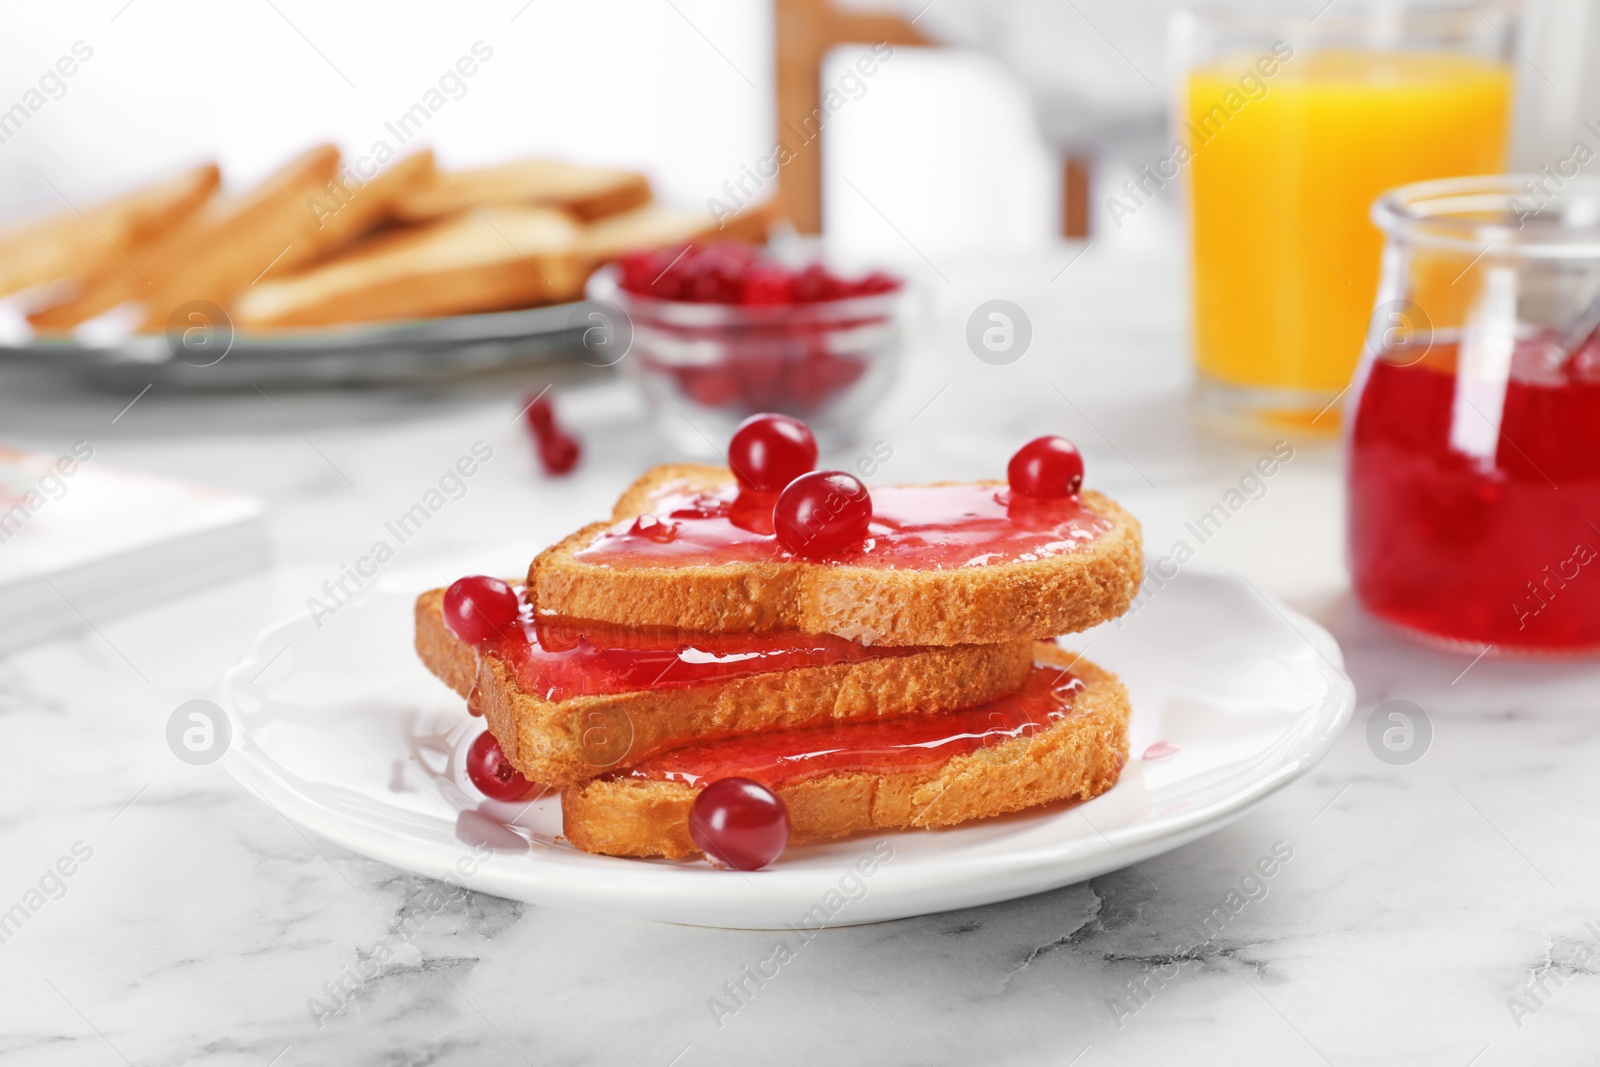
(320, 243)
(910, 682)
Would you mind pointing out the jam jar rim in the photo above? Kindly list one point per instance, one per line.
(1447, 213)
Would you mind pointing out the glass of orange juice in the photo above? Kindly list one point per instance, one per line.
(1289, 123)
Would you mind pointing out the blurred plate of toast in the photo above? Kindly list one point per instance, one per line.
(321, 273)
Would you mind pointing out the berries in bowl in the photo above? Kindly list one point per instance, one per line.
(723, 331)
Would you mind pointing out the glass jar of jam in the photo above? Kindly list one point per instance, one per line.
(1474, 417)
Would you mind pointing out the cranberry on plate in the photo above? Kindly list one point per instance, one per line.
(492, 773)
(739, 823)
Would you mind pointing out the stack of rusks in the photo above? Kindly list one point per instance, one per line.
(773, 645)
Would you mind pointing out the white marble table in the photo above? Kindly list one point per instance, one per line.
(1419, 902)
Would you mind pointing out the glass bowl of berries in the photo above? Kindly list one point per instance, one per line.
(722, 331)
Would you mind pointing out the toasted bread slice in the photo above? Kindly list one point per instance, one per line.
(658, 226)
(481, 261)
(148, 263)
(557, 742)
(211, 253)
(585, 192)
(647, 227)
(269, 228)
(1057, 594)
(350, 209)
(300, 214)
(1077, 757)
(74, 247)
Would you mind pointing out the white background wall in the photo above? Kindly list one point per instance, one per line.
(937, 157)
(942, 143)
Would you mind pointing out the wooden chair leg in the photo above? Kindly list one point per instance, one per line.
(803, 32)
(1075, 197)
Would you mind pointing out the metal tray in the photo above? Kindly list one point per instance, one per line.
(210, 355)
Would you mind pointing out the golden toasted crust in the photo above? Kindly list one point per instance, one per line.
(1077, 758)
(482, 261)
(345, 215)
(971, 605)
(586, 192)
(658, 226)
(560, 742)
(148, 263)
(267, 228)
(76, 246)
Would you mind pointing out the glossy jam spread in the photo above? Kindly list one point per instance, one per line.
(903, 743)
(558, 658)
(930, 527)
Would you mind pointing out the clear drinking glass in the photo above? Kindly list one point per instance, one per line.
(1290, 121)
(1474, 436)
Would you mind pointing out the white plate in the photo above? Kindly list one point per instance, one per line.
(342, 730)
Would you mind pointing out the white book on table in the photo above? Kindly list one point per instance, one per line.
(81, 542)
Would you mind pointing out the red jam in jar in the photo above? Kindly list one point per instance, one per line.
(1475, 504)
(930, 527)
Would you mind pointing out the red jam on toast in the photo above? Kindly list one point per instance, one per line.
(558, 658)
(902, 743)
(927, 527)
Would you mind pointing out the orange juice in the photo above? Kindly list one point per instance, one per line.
(1285, 257)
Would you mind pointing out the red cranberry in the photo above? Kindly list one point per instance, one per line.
(712, 284)
(559, 452)
(814, 284)
(541, 415)
(637, 272)
(768, 451)
(823, 513)
(739, 823)
(767, 284)
(730, 272)
(657, 273)
(731, 257)
(876, 283)
(478, 607)
(1046, 467)
(708, 274)
(492, 773)
(669, 286)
